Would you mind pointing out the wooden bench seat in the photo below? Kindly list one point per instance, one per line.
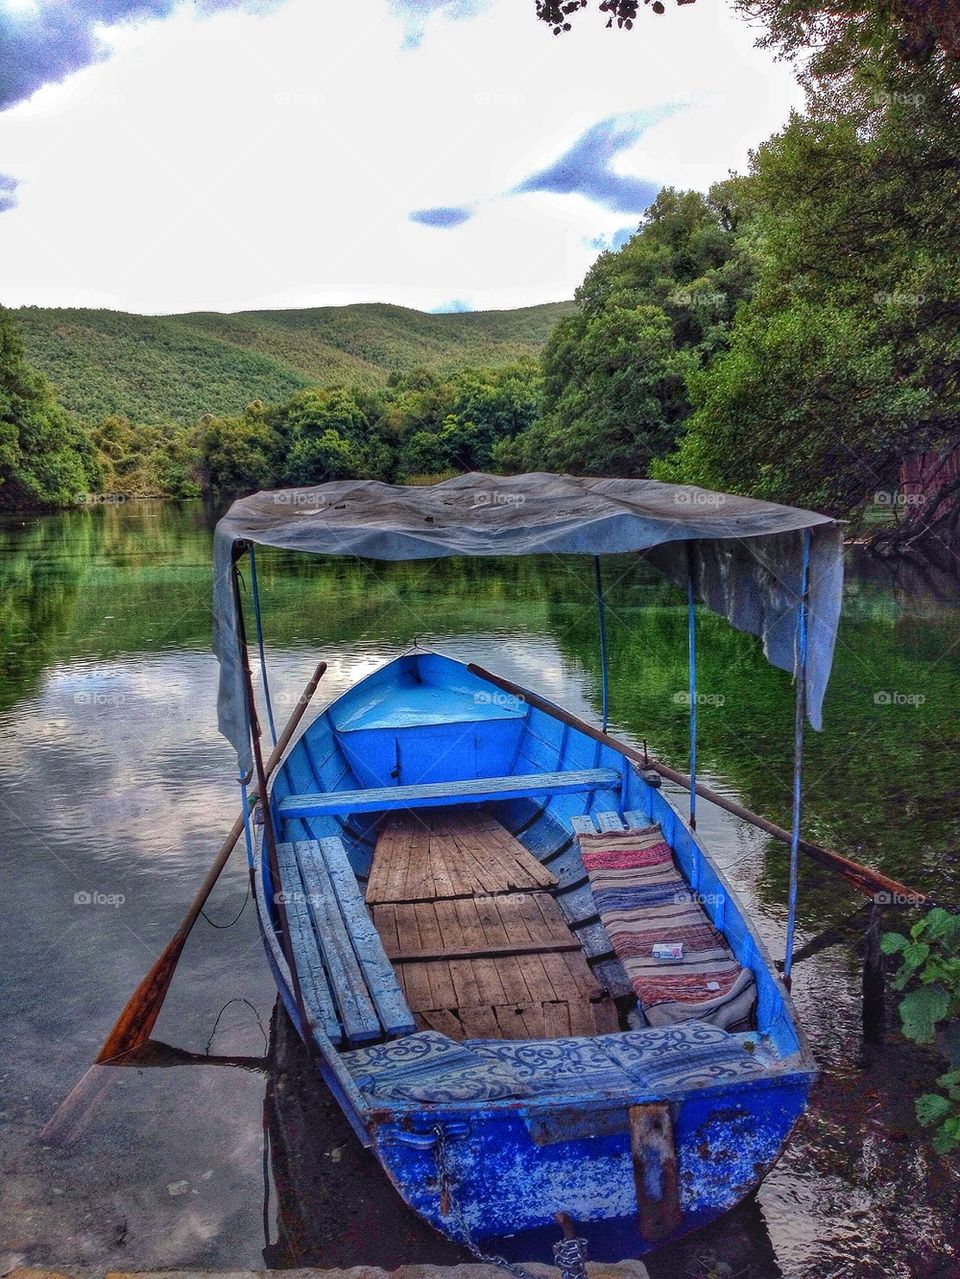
(349, 988)
(437, 794)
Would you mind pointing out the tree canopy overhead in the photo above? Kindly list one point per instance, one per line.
(918, 29)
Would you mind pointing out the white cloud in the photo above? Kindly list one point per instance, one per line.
(240, 161)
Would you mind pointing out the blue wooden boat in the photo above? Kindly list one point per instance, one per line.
(471, 908)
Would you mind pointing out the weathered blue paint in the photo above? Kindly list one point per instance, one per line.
(473, 790)
(510, 1165)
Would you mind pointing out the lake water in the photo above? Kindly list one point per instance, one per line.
(116, 791)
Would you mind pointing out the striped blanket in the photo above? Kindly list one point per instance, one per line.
(642, 899)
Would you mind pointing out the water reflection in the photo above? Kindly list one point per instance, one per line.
(113, 780)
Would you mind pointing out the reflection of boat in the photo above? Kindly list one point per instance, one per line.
(331, 1206)
(469, 906)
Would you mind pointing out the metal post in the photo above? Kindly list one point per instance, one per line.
(800, 710)
(263, 658)
(692, 690)
(602, 621)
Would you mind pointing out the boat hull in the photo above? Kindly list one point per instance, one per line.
(494, 1177)
(510, 1174)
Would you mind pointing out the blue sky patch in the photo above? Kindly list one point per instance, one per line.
(8, 192)
(586, 167)
(446, 216)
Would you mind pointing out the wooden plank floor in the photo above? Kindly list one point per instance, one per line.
(478, 942)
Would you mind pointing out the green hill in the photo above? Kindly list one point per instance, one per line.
(178, 367)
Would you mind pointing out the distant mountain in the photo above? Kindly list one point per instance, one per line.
(178, 367)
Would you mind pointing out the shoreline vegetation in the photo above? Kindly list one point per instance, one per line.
(793, 334)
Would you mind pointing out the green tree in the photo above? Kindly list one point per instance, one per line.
(46, 459)
(647, 316)
(847, 357)
(240, 454)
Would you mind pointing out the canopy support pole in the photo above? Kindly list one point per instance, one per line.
(800, 710)
(692, 682)
(602, 623)
(263, 657)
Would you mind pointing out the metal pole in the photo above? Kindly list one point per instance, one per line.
(692, 690)
(800, 711)
(263, 658)
(602, 621)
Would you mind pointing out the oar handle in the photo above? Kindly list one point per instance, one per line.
(863, 878)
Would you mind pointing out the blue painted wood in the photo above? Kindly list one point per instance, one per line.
(437, 794)
(382, 984)
(354, 1005)
(314, 986)
(585, 1166)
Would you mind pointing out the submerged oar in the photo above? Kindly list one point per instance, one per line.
(132, 1028)
(866, 880)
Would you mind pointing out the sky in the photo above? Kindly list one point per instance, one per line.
(228, 155)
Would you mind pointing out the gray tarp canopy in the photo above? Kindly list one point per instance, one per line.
(745, 554)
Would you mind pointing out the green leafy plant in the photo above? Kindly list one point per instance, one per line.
(929, 972)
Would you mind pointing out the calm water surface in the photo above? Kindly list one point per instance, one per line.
(116, 790)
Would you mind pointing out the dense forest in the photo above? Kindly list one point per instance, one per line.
(792, 334)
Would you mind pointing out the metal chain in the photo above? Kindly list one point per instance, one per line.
(446, 1187)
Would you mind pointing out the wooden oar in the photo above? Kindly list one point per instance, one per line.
(132, 1028)
(867, 881)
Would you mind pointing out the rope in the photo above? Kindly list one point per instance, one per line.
(213, 923)
(237, 999)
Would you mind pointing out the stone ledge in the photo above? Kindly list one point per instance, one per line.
(472, 1270)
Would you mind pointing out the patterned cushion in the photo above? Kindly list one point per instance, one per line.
(690, 1055)
(642, 898)
(548, 1066)
(427, 1066)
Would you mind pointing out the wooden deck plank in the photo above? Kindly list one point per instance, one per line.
(480, 1023)
(556, 1020)
(481, 946)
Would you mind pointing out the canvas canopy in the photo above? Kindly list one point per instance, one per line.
(745, 556)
